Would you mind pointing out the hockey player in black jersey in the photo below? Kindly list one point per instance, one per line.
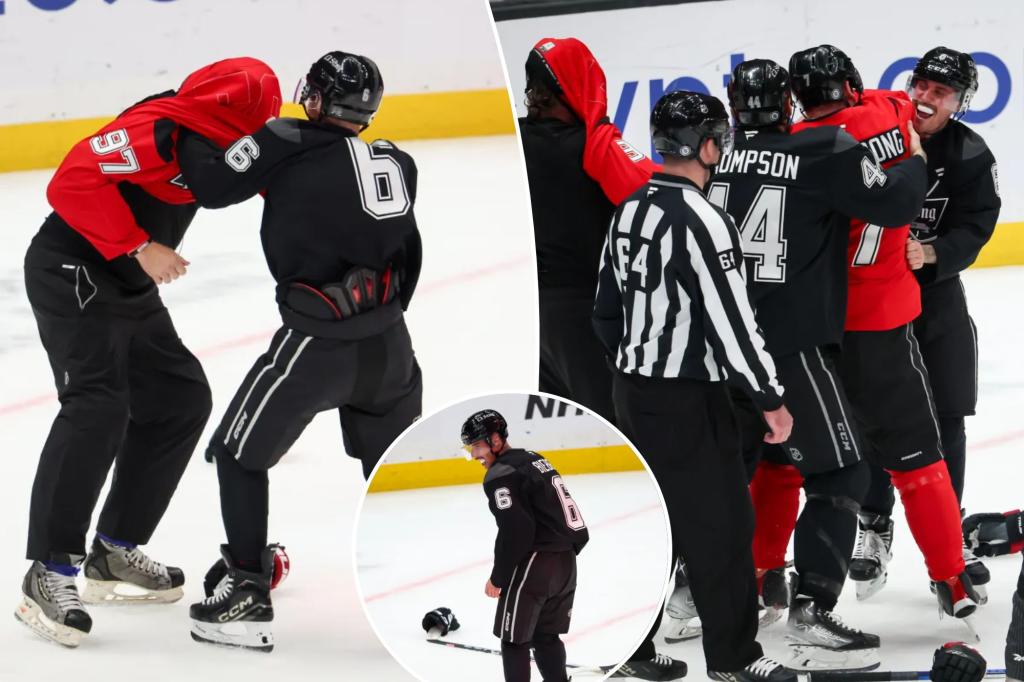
(540, 532)
(956, 220)
(342, 243)
(792, 196)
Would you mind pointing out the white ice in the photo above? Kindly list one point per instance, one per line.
(478, 271)
(421, 549)
(905, 614)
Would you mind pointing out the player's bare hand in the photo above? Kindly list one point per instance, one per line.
(491, 591)
(780, 422)
(915, 142)
(161, 263)
(915, 254)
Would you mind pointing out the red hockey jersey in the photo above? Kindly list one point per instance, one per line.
(883, 293)
(607, 158)
(223, 101)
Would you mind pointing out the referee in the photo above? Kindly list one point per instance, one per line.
(672, 308)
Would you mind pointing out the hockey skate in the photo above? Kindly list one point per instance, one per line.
(116, 574)
(819, 640)
(684, 623)
(871, 555)
(763, 669)
(239, 612)
(51, 607)
(659, 668)
(978, 573)
(773, 597)
(958, 598)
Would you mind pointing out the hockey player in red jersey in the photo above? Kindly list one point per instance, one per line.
(881, 366)
(129, 389)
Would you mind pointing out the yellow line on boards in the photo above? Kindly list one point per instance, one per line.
(457, 471)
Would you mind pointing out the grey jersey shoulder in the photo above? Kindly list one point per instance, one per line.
(497, 471)
(971, 146)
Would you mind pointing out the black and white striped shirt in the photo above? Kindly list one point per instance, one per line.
(672, 298)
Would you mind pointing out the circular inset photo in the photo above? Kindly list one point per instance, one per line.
(512, 535)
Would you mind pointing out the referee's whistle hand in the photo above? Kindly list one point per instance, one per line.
(780, 422)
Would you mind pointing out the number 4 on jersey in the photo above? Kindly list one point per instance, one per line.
(761, 230)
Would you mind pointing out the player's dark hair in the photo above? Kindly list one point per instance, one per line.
(543, 91)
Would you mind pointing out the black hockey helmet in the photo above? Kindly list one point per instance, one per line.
(949, 67)
(759, 93)
(480, 425)
(817, 75)
(682, 120)
(350, 86)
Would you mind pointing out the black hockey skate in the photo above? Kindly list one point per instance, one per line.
(958, 598)
(125, 575)
(819, 640)
(661, 667)
(51, 607)
(239, 611)
(773, 597)
(871, 555)
(683, 622)
(763, 669)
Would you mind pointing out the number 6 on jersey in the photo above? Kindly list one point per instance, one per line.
(573, 518)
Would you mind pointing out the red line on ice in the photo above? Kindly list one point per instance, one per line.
(645, 611)
(260, 337)
(422, 582)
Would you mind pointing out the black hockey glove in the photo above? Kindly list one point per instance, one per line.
(994, 534)
(441, 618)
(957, 662)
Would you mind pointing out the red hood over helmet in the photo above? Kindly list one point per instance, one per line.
(222, 101)
(607, 158)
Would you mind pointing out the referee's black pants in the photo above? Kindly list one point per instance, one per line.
(686, 431)
(131, 395)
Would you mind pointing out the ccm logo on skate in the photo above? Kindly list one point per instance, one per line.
(236, 610)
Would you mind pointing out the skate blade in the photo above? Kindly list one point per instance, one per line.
(29, 613)
(237, 634)
(808, 658)
(969, 622)
(681, 630)
(119, 593)
(869, 588)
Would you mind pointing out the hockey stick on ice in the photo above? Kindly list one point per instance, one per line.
(584, 669)
(882, 675)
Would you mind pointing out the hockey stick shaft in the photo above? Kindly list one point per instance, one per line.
(596, 669)
(884, 675)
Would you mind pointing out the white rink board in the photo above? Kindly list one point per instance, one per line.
(536, 422)
(92, 58)
(650, 50)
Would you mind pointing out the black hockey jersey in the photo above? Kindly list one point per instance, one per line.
(792, 197)
(333, 202)
(570, 210)
(962, 206)
(533, 509)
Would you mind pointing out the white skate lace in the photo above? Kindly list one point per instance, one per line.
(137, 559)
(764, 666)
(221, 592)
(662, 660)
(63, 591)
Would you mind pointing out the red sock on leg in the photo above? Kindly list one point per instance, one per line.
(933, 515)
(775, 491)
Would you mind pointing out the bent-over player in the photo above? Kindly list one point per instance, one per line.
(540, 532)
(342, 243)
(131, 394)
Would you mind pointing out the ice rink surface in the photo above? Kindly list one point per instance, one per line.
(905, 614)
(417, 550)
(474, 215)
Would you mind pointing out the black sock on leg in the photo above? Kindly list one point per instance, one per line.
(549, 653)
(244, 506)
(515, 659)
